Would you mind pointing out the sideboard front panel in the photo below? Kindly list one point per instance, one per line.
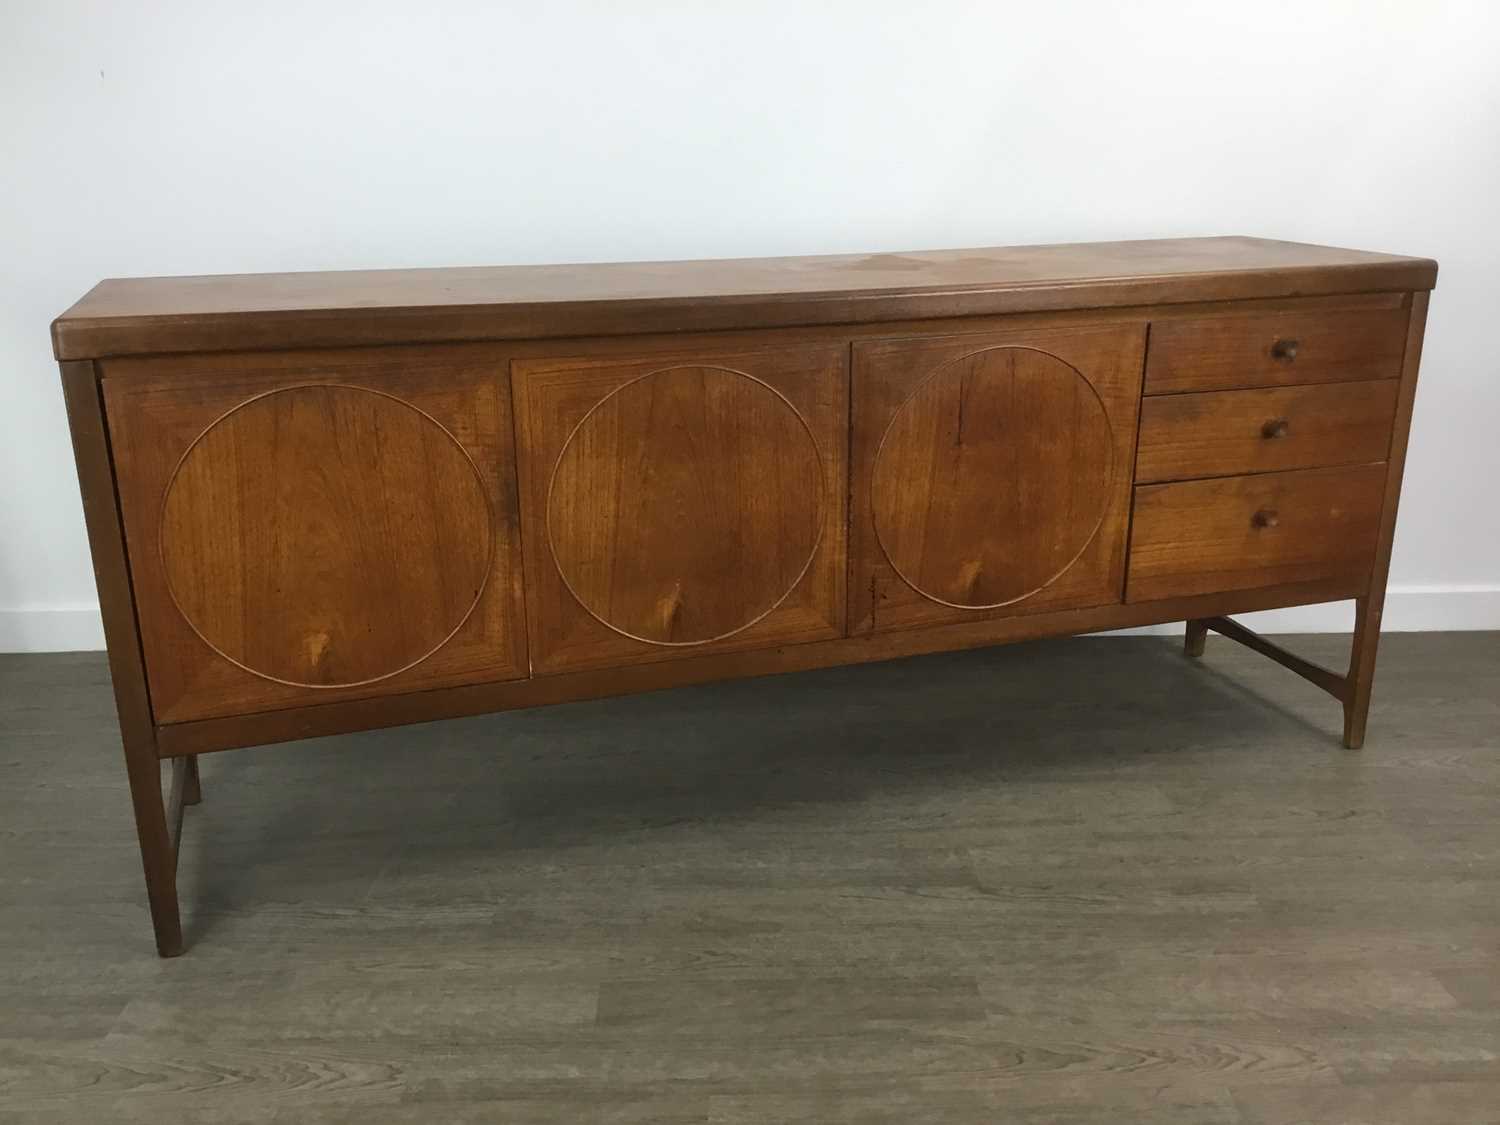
(682, 504)
(320, 527)
(991, 473)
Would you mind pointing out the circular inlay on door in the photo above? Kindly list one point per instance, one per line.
(325, 535)
(992, 478)
(686, 505)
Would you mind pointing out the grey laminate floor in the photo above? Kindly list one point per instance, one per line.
(1077, 881)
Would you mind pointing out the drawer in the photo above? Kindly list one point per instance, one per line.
(1235, 533)
(1226, 433)
(1277, 349)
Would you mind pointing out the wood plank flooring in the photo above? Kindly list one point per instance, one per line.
(1074, 881)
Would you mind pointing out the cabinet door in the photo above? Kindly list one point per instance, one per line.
(680, 504)
(991, 473)
(310, 527)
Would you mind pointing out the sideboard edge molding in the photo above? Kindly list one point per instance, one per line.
(250, 311)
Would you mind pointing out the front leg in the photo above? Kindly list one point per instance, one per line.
(127, 673)
(1361, 678)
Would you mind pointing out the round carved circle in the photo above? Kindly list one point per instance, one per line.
(686, 505)
(992, 478)
(326, 536)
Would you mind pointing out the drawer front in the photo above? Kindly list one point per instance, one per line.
(1278, 349)
(1235, 533)
(1227, 433)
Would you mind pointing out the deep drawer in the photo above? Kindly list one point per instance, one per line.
(1225, 433)
(1274, 350)
(1235, 533)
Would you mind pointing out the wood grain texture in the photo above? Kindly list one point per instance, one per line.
(1278, 350)
(993, 477)
(1191, 537)
(996, 895)
(682, 504)
(990, 473)
(309, 525)
(157, 315)
(326, 535)
(1226, 433)
(686, 505)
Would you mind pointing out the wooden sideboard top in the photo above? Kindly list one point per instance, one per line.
(139, 316)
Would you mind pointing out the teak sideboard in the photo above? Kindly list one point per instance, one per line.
(328, 502)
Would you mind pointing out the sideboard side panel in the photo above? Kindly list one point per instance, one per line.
(1396, 460)
(106, 533)
(1371, 608)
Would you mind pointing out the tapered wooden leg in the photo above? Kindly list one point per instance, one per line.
(1368, 609)
(1197, 634)
(1361, 679)
(158, 848)
(192, 790)
(101, 516)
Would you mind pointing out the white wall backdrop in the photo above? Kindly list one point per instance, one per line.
(190, 136)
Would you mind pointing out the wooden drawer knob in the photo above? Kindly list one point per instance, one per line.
(1266, 517)
(1275, 428)
(1284, 349)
